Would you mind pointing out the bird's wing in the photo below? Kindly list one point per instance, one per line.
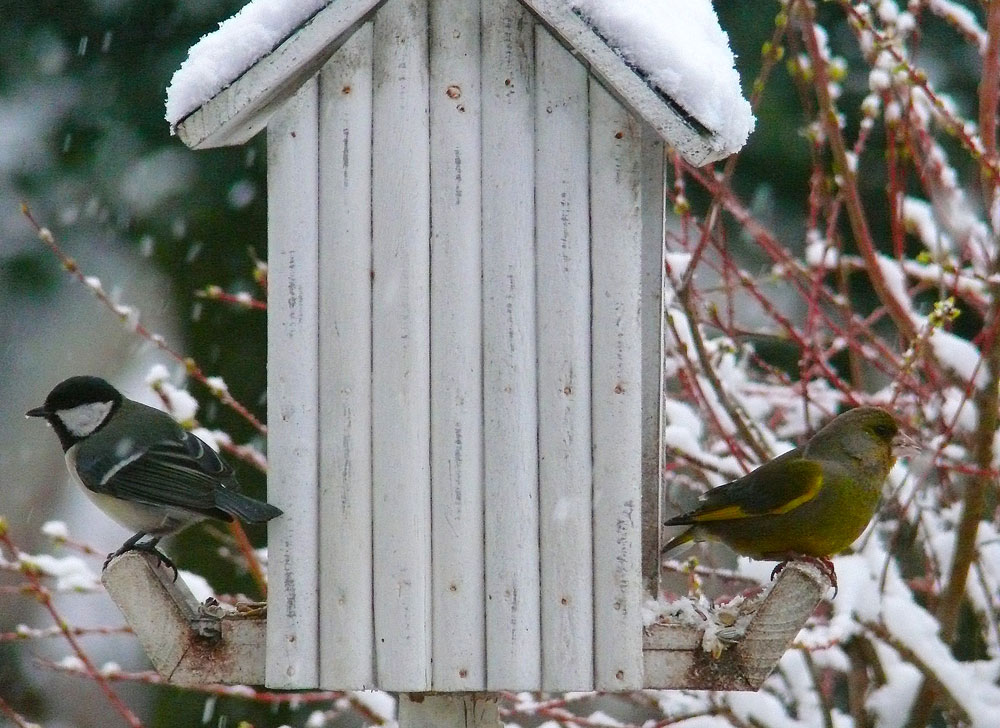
(183, 473)
(776, 487)
(206, 459)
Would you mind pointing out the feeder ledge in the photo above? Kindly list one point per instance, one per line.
(674, 658)
(187, 645)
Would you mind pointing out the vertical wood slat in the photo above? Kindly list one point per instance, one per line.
(459, 629)
(615, 183)
(509, 377)
(564, 433)
(653, 221)
(292, 389)
(401, 347)
(448, 711)
(347, 657)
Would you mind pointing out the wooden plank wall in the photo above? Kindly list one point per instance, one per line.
(401, 347)
(617, 360)
(562, 283)
(487, 383)
(652, 209)
(347, 657)
(510, 386)
(292, 389)
(459, 599)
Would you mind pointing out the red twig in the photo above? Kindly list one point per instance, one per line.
(989, 166)
(44, 597)
(214, 293)
(34, 634)
(241, 692)
(14, 717)
(844, 169)
(193, 370)
(246, 549)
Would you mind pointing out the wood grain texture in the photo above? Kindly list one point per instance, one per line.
(615, 184)
(459, 626)
(510, 386)
(448, 711)
(653, 201)
(186, 647)
(347, 658)
(293, 390)
(401, 347)
(564, 434)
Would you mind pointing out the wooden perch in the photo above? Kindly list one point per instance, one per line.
(675, 658)
(187, 644)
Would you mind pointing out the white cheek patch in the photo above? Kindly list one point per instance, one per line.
(82, 420)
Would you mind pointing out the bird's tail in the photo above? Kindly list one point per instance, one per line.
(245, 508)
(679, 539)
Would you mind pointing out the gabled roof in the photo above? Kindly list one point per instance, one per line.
(241, 109)
(630, 84)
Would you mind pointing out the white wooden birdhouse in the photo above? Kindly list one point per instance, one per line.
(466, 221)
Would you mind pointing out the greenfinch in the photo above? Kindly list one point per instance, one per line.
(809, 503)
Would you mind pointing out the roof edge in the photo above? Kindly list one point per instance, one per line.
(241, 109)
(696, 143)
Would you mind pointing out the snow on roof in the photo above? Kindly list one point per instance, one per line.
(680, 47)
(220, 57)
(677, 45)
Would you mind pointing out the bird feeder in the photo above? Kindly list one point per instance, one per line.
(465, 233)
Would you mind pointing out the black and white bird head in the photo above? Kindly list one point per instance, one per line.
(78, 407)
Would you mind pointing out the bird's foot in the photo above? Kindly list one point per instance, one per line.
(821, 563)
(150, 548)
(133, 544)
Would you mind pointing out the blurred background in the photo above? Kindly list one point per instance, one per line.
(83, 143)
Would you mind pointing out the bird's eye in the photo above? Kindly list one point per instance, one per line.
(885, 430)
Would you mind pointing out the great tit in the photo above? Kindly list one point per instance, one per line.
(140, 466)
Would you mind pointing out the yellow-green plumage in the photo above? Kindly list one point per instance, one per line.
(813, 501)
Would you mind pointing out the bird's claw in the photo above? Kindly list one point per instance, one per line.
(821, 563)
(150, 548)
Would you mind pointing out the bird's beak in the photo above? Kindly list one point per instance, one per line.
(904, 446)
(37, 412)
